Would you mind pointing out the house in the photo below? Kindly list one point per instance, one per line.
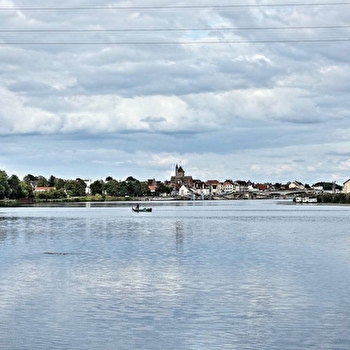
(152, 189)
(43, 188)
(184, 191)
(242, 186)
(228, 186)
(261, 187)
(152, 186)
(346, 186)
(214, 186)
(296, 186)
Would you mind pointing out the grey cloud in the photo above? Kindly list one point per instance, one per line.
(153, 120)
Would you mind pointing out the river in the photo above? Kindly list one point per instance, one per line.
(190, 275)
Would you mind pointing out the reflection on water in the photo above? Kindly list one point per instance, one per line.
(189, 275)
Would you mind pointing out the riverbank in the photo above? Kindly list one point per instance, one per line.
(325, 198)
(83, 199)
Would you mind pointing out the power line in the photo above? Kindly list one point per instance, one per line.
(170, 29)
(180, 42)
(12, 40)
(156, 7)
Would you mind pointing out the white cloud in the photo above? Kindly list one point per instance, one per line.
(345, 165)
(17, 117)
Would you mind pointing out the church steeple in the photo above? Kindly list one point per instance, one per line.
(180, 178)
(179, 172)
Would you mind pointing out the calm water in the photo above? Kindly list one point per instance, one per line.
(197, 275)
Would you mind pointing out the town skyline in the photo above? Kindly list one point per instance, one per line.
(177, 172)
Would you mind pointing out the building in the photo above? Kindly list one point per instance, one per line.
(152, 186)
(184, 191)
(296, 185)
(214, 187)
(228, 186)
(88, 183)
(43, 189)
(180, 179)
(346, 186)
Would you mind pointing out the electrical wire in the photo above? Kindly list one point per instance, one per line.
(33, 30)
(21, 40)
(156, 7)
(196, 43)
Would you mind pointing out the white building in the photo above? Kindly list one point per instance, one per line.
(87, 188)
(184, 191)
(346, 186)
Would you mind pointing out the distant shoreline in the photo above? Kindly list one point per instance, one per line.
(326, 198)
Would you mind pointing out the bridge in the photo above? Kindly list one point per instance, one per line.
(195, 195)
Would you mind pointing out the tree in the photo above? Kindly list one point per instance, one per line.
(15, 190)
(51, 181)
(123, 189)
(132, 187)
(59, 183)
(97, 187)
(144, 189)
(42, 182)
(76, 188)
(161, 188)
(51, 194)
(130, 179)
(30, 179)
(328, 186)
(4, 186)
(112, 188)
(27, 190)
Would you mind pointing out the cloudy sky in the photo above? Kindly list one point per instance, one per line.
(256, 90)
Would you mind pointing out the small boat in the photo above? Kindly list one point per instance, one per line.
(141, 210)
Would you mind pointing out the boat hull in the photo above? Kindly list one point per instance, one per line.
(142, 210)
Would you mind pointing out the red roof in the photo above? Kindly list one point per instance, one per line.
(152, 188)
(43, 189)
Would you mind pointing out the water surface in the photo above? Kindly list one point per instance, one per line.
(189, 275)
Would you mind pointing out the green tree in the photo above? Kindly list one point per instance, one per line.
(42, 182)
(123, 188)
(144, 189)
(132, 187)
(30, 179)
(112, 188)
(59, 183)
(328, 186)
(76, 188)
(51, 194)
(4, 185)
(15, 191)
(51, 181)
(161, 188)
(97, 187)
(27, 190)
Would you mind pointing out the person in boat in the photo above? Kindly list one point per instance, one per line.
(137, 206)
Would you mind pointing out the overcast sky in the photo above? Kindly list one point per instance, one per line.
(119, 88)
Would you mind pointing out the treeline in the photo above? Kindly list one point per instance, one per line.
(11, 187)
(328, 186)
(336, 198)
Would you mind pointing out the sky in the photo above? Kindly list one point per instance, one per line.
(256, 90)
